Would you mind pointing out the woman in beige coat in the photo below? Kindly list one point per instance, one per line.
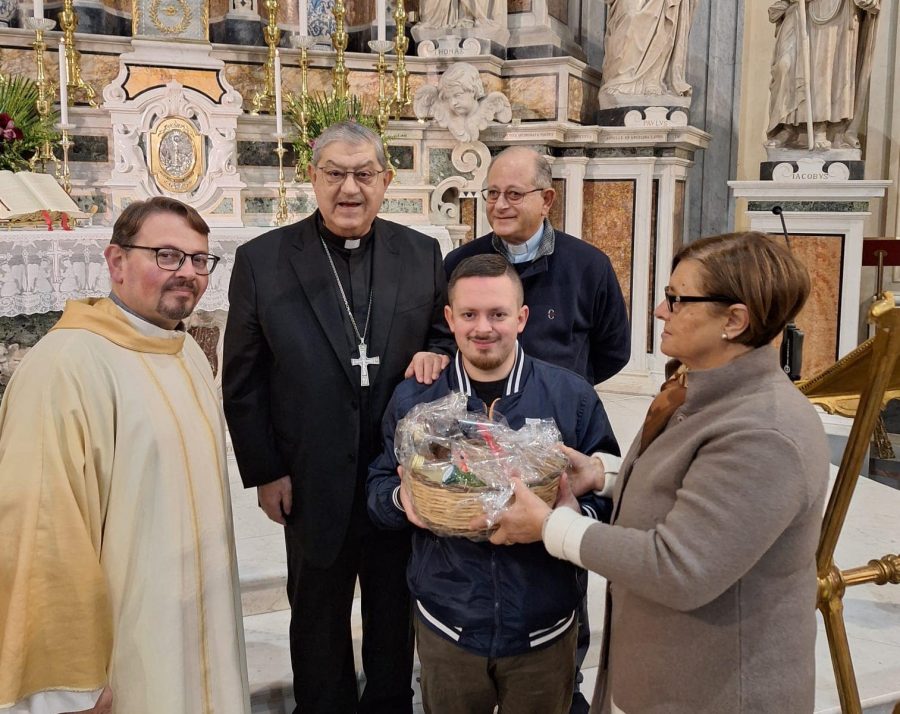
(718, 505)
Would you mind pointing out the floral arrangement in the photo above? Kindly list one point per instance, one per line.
(323, 110)
(22, 130)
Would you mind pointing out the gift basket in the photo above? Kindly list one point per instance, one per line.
(459, 463)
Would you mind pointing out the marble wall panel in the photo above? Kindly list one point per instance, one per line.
(558, 209)
(560, 10)
(678, 224)
(141, 79)
(96, 70)
(820, 317)
(534, 97)
(514, 6)
(402, 157)
(582, 101)
(467, 217)
(651, 283)
(19, 62)
(608, 223)
(89, 148)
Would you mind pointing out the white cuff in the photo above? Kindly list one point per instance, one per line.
(609, 485)
(395, 497)
(611, 466)
(562, 534)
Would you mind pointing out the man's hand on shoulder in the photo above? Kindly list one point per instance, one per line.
(103, 705)
(426, 366)
(276, 499)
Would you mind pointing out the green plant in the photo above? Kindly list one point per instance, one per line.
(18, 109)
(323, 110)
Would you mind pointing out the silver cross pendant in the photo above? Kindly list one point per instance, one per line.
(363, 362)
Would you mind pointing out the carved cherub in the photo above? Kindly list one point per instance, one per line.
(459, 103)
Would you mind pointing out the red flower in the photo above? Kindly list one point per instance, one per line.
(8, 129)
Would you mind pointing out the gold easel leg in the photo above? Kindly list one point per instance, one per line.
(831, 605)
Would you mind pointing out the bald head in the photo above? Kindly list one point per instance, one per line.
(524, 174)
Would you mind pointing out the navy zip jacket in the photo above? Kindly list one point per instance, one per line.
(577, 317)
(495, 601)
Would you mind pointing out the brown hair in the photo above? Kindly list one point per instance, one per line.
(129, 223)
(756, 271)
(489, 265)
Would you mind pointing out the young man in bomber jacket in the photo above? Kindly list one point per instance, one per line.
(495, 625)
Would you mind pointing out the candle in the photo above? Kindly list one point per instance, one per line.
(304, 23)
(63, 85)
(38, 9)
(279, 127)
(380, 12)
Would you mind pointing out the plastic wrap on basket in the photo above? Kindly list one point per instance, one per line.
(459, 463)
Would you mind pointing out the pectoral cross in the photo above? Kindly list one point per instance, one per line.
(363, 362)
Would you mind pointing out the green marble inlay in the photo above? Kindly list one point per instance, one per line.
(620, 151)
(440, 166)
(811, 206)
(262, 153)
(86, 202)
(24, 331)
(227, 206)
(263, 205)
(89, 148)
(402, 157)
(402, 205)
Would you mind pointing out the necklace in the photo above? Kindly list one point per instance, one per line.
(363, 361)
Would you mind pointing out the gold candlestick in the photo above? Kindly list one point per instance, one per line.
(44, 85)
(282, 214)
(401, 74)
(304, 43)
(264, 100)
(385, 99)
(68, 23)
(66, 144)
(340, 85)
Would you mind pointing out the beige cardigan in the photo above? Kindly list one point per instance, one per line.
(711, 558)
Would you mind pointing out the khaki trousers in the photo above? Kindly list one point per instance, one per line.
(458, 682)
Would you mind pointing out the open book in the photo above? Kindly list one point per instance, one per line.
(26, 196)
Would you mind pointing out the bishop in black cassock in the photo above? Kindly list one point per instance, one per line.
(315, 308)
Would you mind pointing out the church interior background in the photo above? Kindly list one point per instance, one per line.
(178, 97)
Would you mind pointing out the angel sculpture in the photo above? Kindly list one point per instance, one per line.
(459, 103)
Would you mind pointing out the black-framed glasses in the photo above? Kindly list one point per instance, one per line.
(492, 195)
(366, 177)
(172, 259)
(672, 299)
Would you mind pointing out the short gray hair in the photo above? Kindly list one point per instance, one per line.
(543, 176)
(350, 132)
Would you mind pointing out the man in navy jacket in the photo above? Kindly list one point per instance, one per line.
(495, 624)
(578, 318)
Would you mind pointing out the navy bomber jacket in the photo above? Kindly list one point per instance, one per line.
(495, 601)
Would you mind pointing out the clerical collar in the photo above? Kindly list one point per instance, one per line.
(341, 241)
(144, 326)
(527, 251)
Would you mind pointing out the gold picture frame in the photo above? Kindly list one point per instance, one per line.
(176, 155)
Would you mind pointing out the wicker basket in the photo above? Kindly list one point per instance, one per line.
(449, 509)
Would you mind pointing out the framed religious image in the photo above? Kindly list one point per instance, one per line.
(176, 155)
(171, 19)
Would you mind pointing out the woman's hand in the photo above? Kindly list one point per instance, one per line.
(586, 473)
(523, 518)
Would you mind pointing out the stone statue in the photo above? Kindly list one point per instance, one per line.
(646, 45)
(459, 103)
(841, 42)
(451, 14)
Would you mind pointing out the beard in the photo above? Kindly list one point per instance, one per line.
(486, 362)
(178, 308)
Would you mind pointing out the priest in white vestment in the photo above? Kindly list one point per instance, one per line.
(118, 579)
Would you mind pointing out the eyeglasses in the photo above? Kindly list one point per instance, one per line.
(492, 195)
(172, 259)
(365, 177)
(672, 298)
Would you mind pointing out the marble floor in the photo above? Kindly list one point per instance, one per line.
(872, 613)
